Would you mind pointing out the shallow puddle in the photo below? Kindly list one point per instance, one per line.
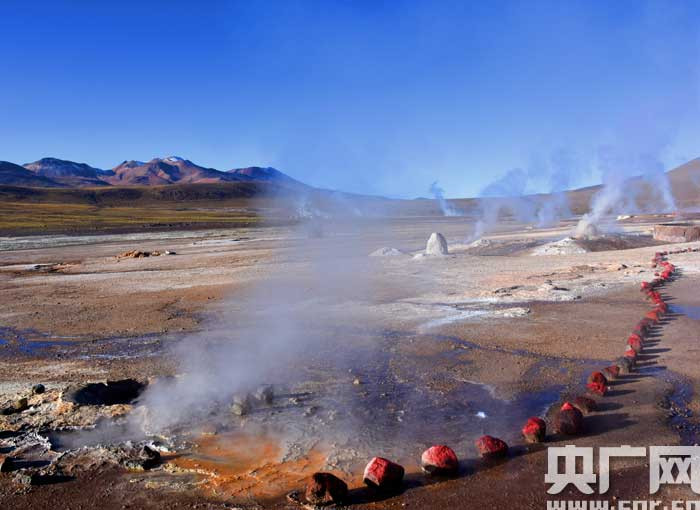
(41, 345)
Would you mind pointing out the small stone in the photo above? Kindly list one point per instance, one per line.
(569, 420)
(585, 404)
(25, 479)
(535, 430)
(19, 405)
(383, 474)
(326, 489)
(356, 381)
(597, 377)
(597, 388)
(146, 458)
(490, 447)
(439, 460)
(624, 365)
(241, 405)
(653, 315)
(38, 389)
(265, 394)
(611, 373)
(635, 343)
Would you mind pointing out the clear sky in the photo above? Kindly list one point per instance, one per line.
(367, 96)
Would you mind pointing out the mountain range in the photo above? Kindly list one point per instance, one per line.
(58, 173)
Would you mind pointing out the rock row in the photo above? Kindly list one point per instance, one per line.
(440, 460)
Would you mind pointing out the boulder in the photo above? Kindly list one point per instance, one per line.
(124, 391)
(437, 245)
(326, 489)
(490, 447)
(569, 420)
(383, 474)
(439, 460)
(534, 430)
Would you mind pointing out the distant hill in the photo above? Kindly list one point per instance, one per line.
(170, 170)
(175, 180)
(684, 180)
(268, 174)
(68, 173)
(53, 172)
(15, 175)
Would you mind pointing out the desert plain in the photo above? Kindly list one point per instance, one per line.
(363, 356)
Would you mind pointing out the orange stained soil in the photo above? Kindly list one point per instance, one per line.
(247, 466)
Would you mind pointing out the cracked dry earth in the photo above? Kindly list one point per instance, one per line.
(409, 353)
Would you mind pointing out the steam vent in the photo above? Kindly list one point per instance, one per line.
(677, 232)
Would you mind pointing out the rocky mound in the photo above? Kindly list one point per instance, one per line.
(566, 246)
(386, 252)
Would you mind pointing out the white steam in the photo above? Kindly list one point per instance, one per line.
(511, 195)
(632, 183)
(446, 207)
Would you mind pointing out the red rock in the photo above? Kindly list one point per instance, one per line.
(325, 489)
(635, 343)
(439, 460)
(597, 388)
(383, 474)
(585, 404)
(491, 447)
(612, 372)
(652, 315)
(597, 377)
(569, 420)
(535, 430)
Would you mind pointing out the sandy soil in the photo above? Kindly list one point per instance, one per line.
(433, 341)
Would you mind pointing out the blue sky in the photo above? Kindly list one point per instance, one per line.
(378, 97)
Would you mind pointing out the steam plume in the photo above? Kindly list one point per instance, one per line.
(447, 208)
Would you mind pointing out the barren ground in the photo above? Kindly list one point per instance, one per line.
(432, 342)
